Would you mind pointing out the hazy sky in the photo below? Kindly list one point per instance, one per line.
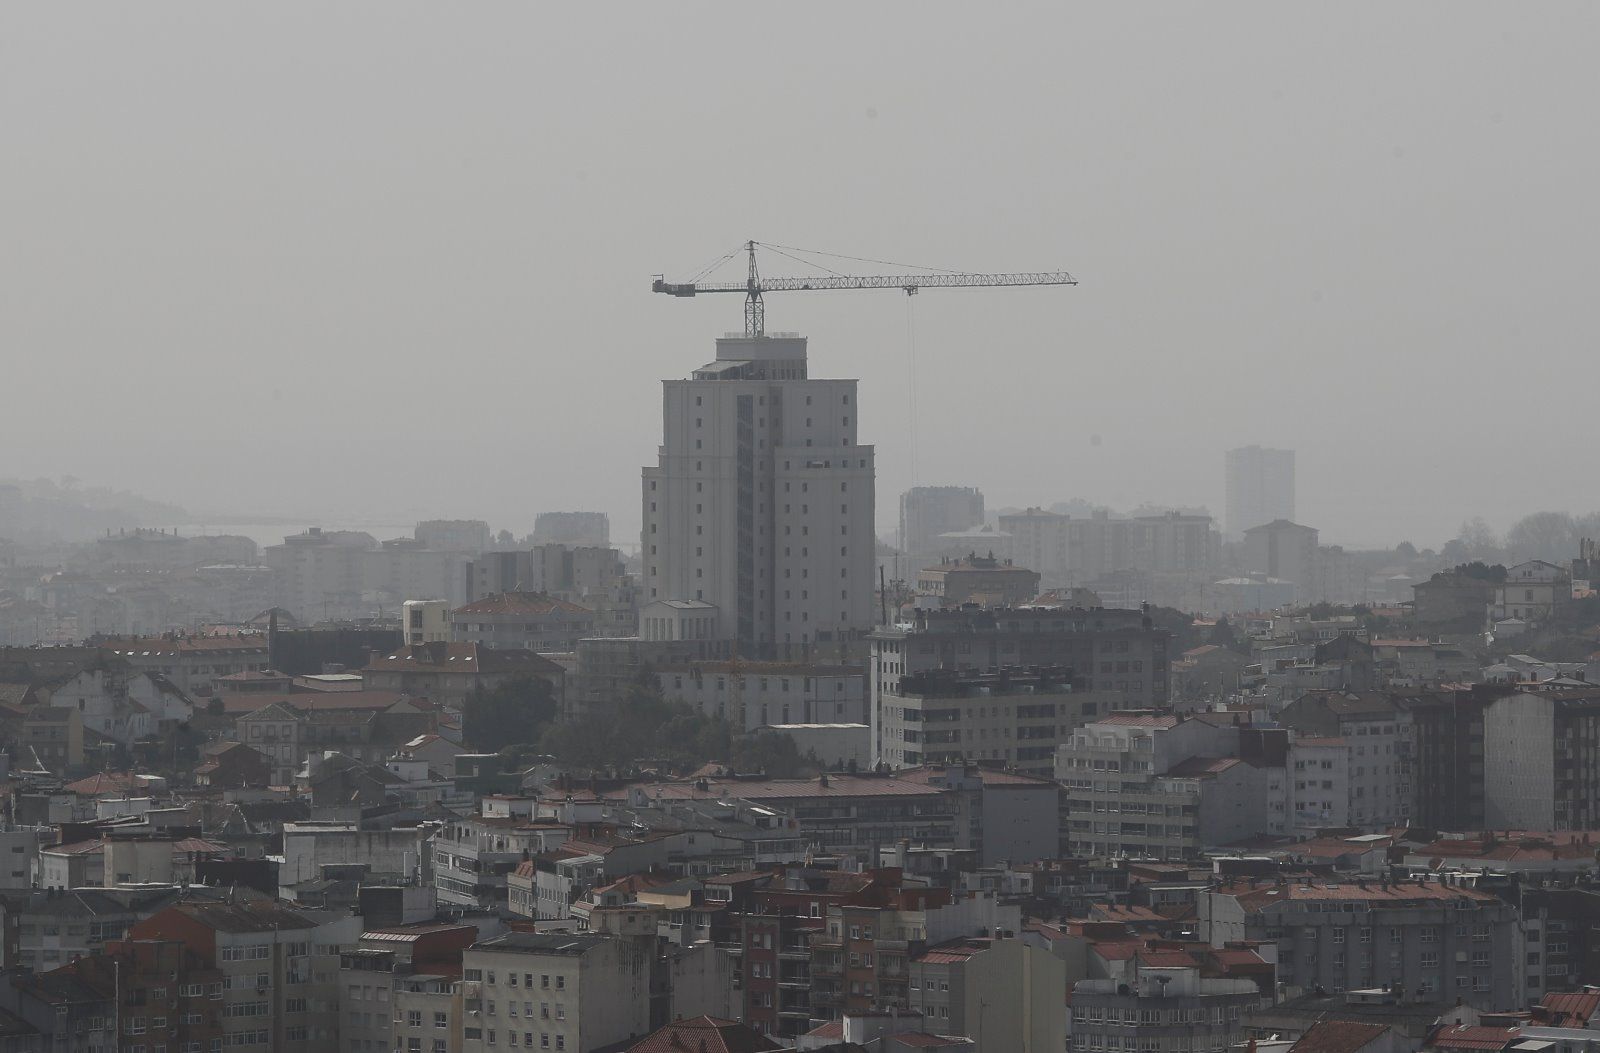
(392, 259)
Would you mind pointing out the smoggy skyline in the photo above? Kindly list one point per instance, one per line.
(391, 261)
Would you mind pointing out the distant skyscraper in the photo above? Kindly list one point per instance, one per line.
(928, 511)
(762, 502)
(1260, 485)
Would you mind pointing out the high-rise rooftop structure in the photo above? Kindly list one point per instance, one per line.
(928, 511)
(762, 501)
(1260, 488)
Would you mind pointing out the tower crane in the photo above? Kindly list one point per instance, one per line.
(755, 285)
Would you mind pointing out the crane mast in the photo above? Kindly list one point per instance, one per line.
(755, 285)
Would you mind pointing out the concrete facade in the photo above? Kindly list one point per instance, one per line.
(1445, 940)
(1259, 487)
(1105, 650)
(762, 501)
(928, 511)
(568, 993)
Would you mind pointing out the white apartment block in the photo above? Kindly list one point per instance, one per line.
(1154, 785)
(426, 621)
(562, 992)
(762, 501)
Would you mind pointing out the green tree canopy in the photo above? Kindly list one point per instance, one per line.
(517, 711)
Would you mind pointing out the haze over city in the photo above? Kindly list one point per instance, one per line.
(388, 261)
(806, 528)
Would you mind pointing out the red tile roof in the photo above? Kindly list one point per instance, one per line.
(1337, 1036)
(1577, 1006)
(1137, 719)
(704, 1034)
(306, 701)
(136, 647)
(1202, 767)
(1265, 895)
(522, 603)
(1512, 846)
(1167, 958)
(107, 782)
(1468, 1037)
(461, 658)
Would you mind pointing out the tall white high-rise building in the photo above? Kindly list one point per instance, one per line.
(762, 501)
(1260, 488)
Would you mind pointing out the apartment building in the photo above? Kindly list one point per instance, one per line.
(1448, 752)
(997, 990)
(399, 989)
(528, 621)
(928, 511)
(193, 663)
(762, 500)
(986, 580)
(1541, 752)
(1532, 591)
(168, 996)
(564, 992)
(47, 928)
(1431, 937)
(854, 814)
(473, 857)
(1155, 785)
(1376, 732)
(278, 968)
(426, 621)
(450, 673)
(1285, 551)
(1017, 716)
(757, 694)
(1166, 1002)
(862, 959)
(1107, 651)
(322, 573)
(572, 528)
(1259, 487)
(468, 536)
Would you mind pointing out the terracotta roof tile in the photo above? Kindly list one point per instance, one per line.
(1337, 1036)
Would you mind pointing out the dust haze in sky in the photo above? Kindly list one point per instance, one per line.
(392, 260)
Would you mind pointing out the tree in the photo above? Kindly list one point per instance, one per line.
(516, 711)
(1479, 540)
(1482, 571)
(771, 752)
(1550, 536)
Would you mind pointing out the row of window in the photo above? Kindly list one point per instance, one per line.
(546, 980)
(491, 1037)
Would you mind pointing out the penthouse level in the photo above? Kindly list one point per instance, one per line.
(1014, 715)
(1117, 652)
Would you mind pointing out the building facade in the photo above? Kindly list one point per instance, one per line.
(1117, 653)
(928, 511)
(1425, 937)
(1260, 487)
(762, 501)
(564, 992)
